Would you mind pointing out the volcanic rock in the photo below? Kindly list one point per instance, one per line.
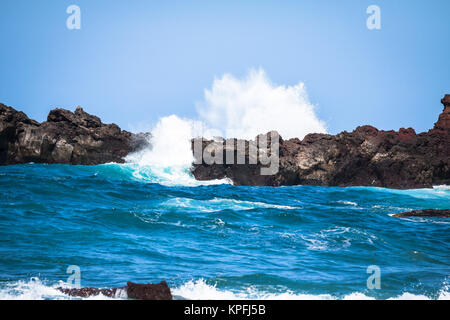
(66, 137)
(159, 291)
(365, 157)
(425, 213)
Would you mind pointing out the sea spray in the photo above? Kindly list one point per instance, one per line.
(169, 157)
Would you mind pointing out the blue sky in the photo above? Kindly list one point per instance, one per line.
(133, 62)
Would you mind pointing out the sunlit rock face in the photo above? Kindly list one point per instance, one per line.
(444, 118)
(365, 157)
(66, 137)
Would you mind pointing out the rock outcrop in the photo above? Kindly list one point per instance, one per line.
(365, 157)
(159, 291)
(66, 137)
(444, 213)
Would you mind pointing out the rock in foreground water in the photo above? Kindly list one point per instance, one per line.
(159, 291)
(445, 213)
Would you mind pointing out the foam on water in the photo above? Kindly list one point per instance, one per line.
(201, 290)
(437, 192)
(35, 289)
(169, 157)
(219, 204)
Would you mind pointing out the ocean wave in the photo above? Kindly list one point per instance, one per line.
(169, 175)
(350, 203)
(336, 238)
(219, 204)
(437, 192)
(35, 289)
(201, 290)
(442, 187)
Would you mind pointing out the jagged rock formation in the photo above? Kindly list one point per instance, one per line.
(445, 213)
(66, 137)
(159, 291)
(364, 157)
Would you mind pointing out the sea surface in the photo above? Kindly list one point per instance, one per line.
(120, 223)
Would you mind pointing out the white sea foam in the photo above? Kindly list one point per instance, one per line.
(442, 187)
(169, 158)
(350, 203)
(35, 289)
(200, 290)
(218, 204)
(234, 108)
(336, 238)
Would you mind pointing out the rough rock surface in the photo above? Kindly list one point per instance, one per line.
(445, 213)
(66, 137)
(159, 291)
(364, 157)
(90, 292)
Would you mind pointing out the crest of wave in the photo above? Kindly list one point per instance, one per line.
(244, 108)
(169, 158)
(201, 290)
(232, 108)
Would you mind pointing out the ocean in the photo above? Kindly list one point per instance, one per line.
(141, 223)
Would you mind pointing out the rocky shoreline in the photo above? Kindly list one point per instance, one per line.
(365, 157)
(66, 138)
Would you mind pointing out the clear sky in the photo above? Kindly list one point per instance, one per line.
(135, 61)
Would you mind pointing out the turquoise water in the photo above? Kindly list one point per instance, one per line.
(121, 222)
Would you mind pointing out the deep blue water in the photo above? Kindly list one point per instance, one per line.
(215, 241)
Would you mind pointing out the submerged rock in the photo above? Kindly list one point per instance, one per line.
(365, 157)
(445, 213)
(66, 137)
(159, 291)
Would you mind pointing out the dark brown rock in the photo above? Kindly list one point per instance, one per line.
(364, 157)
(66, 137)
(160, 291)
(444, 119)
(445, 213)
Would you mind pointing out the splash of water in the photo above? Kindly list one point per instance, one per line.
(232, 108)
(169, 158)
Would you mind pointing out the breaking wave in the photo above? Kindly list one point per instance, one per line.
(169, 157)
(201, 290)
(233, 108)
(35, 289)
